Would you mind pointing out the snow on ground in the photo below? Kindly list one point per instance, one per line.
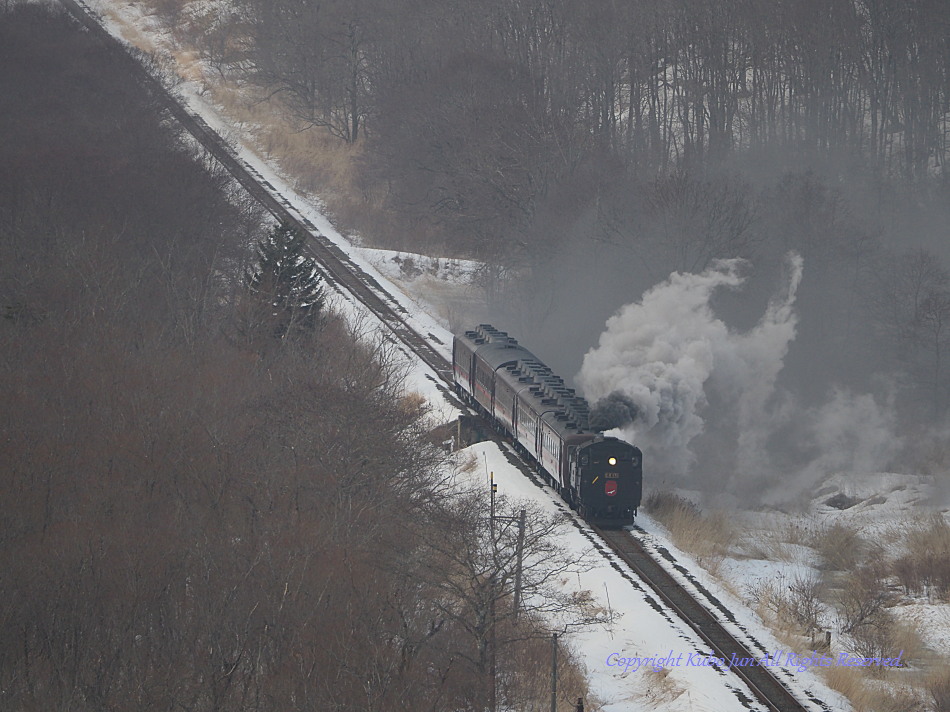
(421, 287)
(647, 628)
(129, 22)
(439, 286)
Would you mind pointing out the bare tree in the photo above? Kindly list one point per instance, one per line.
(319, 56)
(496, 583)
(910, 307)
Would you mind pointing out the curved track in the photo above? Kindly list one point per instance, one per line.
(341, 270)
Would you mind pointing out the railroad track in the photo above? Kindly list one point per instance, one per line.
(337, 267)
(763, 684)
(341, 270)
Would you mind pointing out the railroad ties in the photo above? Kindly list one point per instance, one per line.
(763, 684)
(341, 270)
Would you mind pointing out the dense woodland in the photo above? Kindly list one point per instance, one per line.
(211, 505)
(584, 150)
(208, 506)
(482, 114)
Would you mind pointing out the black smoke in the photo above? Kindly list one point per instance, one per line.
(613, 411)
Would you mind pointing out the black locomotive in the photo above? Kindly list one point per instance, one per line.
(601, 477)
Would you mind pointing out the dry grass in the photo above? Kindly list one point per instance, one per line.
(708, 537)
(784, 543)
(314, 161)
(925, 568)
(937, 686)
(313, 158)
(659, 689)
(839, 545)
(906, 636)
(468, 463)
(792, 607)
(868, 695)
(766, 599)
(886, 637)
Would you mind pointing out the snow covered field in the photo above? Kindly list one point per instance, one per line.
(434, 293)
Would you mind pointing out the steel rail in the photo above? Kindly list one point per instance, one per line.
(760, 680)
(338, 267)
(335, 264)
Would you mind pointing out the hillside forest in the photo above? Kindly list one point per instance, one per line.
(584, 151)
(209, 502)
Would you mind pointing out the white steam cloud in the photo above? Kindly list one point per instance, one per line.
(666, 357)
(662, 352)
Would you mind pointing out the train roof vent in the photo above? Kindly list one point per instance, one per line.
(492, 335)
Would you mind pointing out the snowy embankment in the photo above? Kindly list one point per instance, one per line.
(128, 22)
(679, 676)
(642, 628)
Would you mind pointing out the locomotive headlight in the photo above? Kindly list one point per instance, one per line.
(611, 461)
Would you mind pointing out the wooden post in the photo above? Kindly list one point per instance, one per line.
(520, 554)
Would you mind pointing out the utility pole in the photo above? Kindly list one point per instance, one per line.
(519, 555)
(491, 515)
(554, 672)
(492, 699)
(492, 702)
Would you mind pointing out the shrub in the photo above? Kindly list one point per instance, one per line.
(863, 597)
(925, 568)
(938, 689)
(706, 536)
(804, 600)
(839, 546)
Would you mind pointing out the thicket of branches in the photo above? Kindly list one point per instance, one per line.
(479, 112)
(606, 144)
(197, 514)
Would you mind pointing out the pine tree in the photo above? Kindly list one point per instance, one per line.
(287, 281)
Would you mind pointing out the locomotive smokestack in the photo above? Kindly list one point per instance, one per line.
(613, 411)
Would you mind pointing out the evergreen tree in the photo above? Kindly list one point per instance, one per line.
(287, 281)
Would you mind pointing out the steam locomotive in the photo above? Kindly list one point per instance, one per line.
(601, 477)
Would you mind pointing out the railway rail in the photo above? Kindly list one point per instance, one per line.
(341, 270)
(763, 684)
(337, 266)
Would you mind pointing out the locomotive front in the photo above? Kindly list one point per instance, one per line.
(607, 475)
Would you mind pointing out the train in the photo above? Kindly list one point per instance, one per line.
(600, 477)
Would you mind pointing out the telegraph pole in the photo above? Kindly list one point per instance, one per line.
(491, 516)
(519, 555)
(554, 672)
(492, 703)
